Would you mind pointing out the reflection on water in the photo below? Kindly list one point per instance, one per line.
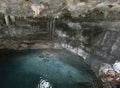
(44, 69)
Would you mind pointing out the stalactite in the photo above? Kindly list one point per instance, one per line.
(7, 20)
(12, 18)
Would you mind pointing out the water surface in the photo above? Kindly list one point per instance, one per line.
(60, 68)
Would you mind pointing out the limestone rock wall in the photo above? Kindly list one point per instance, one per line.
(97, 41)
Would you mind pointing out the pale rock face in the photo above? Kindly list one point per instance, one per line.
(72, 7)
(77, 51)
(12, 18)
(37, 8)
(3, 5)
(74, 25)
(106, 69)
(116, 66)
(61, 34)
(6, 17)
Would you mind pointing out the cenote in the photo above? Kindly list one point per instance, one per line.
(25, 69)
(61, 68)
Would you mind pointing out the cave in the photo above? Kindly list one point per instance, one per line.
(60, 44)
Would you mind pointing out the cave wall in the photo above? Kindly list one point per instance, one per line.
(97, 41)
(26, 33)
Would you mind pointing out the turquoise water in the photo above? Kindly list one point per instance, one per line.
(60, 68)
